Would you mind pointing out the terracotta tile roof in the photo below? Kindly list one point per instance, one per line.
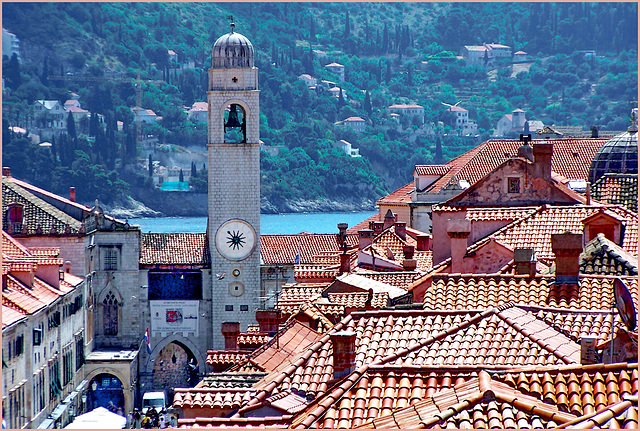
(480, 403)
(251, 422)
(477, 291)
(534, 231)
(605, 257)
(621, 415)
(363, 224)
(571, 159)
(400, 196)
(11, 316)
(432, 169)
(236, 379)
(211, 398)
(358, 300)
(253, 338)
(576, 324)
(175, 249)
(315, 273)
(289, 341)
(490, 214)
(502, 337)
(353, 283)
(221, 360)
(37, 214)
(387, 390)
(619, 189)
(400, 279)
(284, 248)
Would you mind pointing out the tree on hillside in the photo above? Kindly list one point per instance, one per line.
(367, 102)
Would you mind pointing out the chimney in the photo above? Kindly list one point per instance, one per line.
(409, 263)
(342, 232)
(588, 350)
(424, 242)
(67, 267)
(588, 193)
(365, 238)
(269, 321)
(594, 131)
(230, 331)
(525, 261)
(401, 229)
(345, 263)
(72, 194)
(542, 154)
(377, 227)
(389, 219)
(344, 353)
(458, 230)
(567, 248)
(6, 171)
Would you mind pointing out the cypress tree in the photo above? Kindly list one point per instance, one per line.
(181, 177)
(347, 26)
(387, 76)
(71, 127)
(438, 150)
(150, 166)
(340, 97)
(194, 171)
(367, 102)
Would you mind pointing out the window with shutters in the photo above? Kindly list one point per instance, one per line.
(110, 314)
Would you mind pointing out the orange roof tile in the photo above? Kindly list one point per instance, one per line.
(477, 291)
(175, 249)
(619, 189)
(211, 398)
(391, 391)
(535, 230)
(284, 248)
(400, 196)
(221, 360)
(499, 337)
(571, 159)
(604, 257)
(432, 169)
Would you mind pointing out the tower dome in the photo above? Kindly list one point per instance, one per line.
(232, 51)
(619, 155)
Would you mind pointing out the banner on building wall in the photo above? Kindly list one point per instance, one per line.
(174, 316)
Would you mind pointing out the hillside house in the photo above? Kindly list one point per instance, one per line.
(520, 57)
(10, 44)
(356, 123)
(347, 148)
(198, 112)
(409, 110)
(486, 54)
(77, 113)
(144, 115)
(513, 122)
(50, 117)
(309, 80)
(336, 68)
(335, 92)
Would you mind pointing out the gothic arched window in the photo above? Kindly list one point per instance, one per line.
(110, 314)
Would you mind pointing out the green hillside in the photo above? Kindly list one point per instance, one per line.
(392, 52)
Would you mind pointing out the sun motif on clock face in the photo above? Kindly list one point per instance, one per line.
(235, 239)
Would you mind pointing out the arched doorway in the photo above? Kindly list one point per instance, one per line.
(106, 390)
(175, 367)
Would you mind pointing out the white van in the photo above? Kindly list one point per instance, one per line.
(157, 400)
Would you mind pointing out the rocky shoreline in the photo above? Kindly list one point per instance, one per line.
(175, 204)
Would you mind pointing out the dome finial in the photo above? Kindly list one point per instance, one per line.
(231, 23)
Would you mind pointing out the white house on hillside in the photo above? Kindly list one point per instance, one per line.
(347, 148)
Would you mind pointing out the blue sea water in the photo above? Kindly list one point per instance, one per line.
(269, 223)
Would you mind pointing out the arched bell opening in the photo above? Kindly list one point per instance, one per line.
(235, 125)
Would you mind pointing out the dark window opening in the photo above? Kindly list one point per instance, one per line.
(175, 285)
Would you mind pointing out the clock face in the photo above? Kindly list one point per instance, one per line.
(235, 239)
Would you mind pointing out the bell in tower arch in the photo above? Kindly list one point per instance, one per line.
(235, 120)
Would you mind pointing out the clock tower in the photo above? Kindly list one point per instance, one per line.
(234, 185)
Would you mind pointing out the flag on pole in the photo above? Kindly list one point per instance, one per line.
(297, 259)
(146, 341)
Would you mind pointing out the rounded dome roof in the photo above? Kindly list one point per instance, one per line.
(619, 155)
(232, 51)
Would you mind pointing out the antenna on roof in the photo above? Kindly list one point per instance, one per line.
(231, 23)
